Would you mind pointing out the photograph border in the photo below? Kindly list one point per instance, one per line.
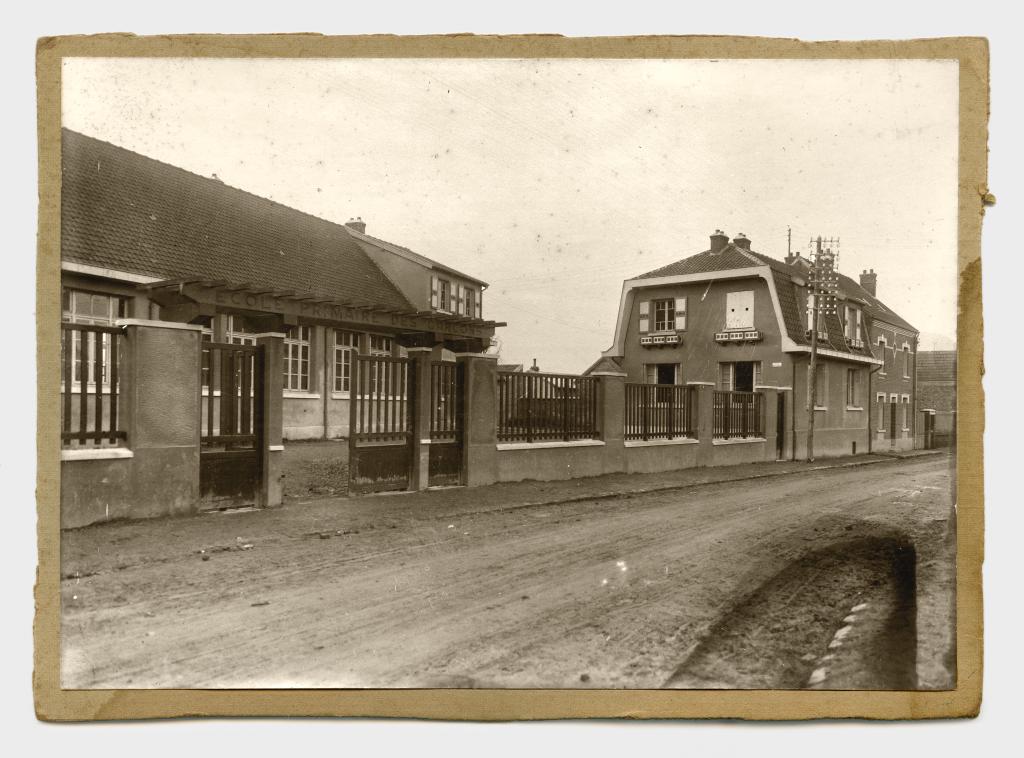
(56, 704)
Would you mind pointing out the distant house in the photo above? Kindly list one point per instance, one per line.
(146, 240)
(936, 391)
(740, 320)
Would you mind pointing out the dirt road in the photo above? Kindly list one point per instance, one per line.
(611, 593)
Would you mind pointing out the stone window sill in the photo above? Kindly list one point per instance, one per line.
(739, 441)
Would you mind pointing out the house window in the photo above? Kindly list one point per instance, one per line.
(885, 356)
(296, 359)
(664, 315)
(79, 307)
(820, 385)
(739, 310)
(880, 401)
(444, 295)
(904, 412)
(852, 388)
(852, 323)
(470, 303)
(741, 376)
(346, 344)
(906, 362)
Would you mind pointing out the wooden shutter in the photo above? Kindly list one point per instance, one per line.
(739, 310)
(651, 373)
(757, 374)
(479, 303)
(433, 292)
(725, 376)
(680, 314)
(645, 316)
(457, 294)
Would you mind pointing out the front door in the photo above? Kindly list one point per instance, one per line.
(230, 423)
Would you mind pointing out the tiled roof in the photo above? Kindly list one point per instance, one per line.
(936, 365)
(124, 211)
(703, 263)
(792, 297)
(391, 247)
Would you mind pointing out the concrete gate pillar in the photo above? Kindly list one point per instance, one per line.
(480, 437)
(611, 404)
(419, 476)
(269, 492)
(703, 396)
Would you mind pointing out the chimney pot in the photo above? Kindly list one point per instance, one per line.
(357, 223)
(718, 241)
(869, 281)
(741, 241)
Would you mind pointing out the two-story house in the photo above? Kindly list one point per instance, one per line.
(144, 239)
(740, 320)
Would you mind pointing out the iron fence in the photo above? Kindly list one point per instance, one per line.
(659, 412)
(535, 407)
(89, 385)
(738, 415)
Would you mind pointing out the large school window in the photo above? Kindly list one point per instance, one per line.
(238, 331)
(296, 359)
(80, 307)
(346, 344)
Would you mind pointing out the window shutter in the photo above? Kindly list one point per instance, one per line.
(757, 374)
(651, 373)
(479, 303)
(725, 376)
(457, 294)
(645, 316)
(433, 292)
(680, 314)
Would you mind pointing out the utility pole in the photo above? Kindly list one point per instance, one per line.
(823, 281)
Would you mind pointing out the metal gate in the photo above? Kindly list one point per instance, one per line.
(446, 424)
(380, 424)
(231, 423)
(780, 427)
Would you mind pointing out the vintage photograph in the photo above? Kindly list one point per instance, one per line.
(562, 373)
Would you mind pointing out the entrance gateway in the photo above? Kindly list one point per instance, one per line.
(231, 423)
(382, 425)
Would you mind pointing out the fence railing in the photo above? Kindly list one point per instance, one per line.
(659, 412)
(738, 414)
(535, 407)
(382, 391)
(89, 385)
(445, 403)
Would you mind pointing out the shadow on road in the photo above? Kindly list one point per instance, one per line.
(840, 617)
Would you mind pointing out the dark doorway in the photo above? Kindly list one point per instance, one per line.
(744, 378)
(666, 373)
(780, 427)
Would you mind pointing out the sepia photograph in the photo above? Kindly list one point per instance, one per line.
(631, 373)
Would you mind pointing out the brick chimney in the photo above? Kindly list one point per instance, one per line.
(718, 241)
(869, 281)
(741, 241)
(357, 223)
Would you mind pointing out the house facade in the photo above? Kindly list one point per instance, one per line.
(141, 239)
(936, 394)
(739, 320)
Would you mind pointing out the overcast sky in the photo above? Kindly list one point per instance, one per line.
(554, 180)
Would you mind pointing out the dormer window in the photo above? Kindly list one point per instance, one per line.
(444, 295)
